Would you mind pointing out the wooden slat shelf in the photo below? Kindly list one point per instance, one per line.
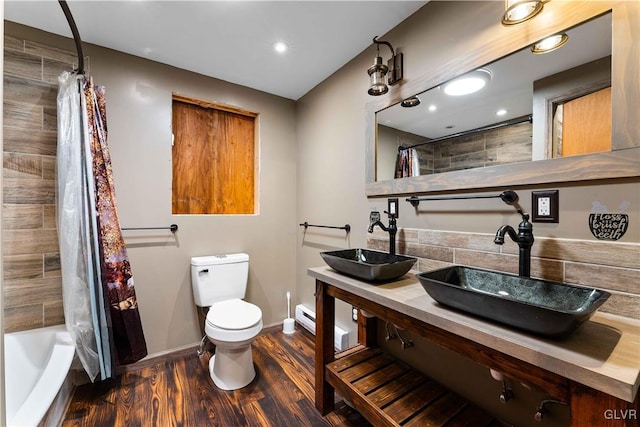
(390, 393)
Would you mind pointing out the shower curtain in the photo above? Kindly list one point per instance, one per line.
(407, 163)
(100, 306)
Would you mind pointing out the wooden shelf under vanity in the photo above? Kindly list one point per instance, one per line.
(595, 372)
(388, 392)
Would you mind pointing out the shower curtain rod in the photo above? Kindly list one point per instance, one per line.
(76, 34)
(506, 123)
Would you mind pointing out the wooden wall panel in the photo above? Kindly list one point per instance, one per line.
(213, 160)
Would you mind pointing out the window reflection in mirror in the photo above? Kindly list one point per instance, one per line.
(533, 107)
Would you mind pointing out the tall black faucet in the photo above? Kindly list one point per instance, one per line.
(392, 229)
(524, 239)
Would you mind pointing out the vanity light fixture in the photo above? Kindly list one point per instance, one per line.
(412, 101)
(378, 71)
(469, 83)
(517, 11)
(550, 43)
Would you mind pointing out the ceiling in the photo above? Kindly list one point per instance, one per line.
(229, 40)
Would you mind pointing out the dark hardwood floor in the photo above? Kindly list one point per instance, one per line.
(179, 392)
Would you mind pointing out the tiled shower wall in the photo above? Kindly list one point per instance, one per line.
(612, 266)
(511, 144)
(31, 282)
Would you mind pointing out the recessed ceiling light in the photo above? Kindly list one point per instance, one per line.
(501, 112)
(280, 47)
(413, 101)
(432, 107)
(469, 83)
(550, 43)
(521, 10)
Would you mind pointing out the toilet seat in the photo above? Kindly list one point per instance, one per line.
(234, 315)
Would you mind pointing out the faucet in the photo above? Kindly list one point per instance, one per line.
(524, 239)
(392, 229)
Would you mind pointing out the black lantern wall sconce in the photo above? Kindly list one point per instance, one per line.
(378, 85)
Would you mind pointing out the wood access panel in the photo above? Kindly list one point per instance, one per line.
(213, 159)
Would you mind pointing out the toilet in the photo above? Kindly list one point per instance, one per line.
(220, 282)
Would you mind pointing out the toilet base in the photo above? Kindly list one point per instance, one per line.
(232, 368)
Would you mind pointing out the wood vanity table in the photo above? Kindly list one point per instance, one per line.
(596, 371)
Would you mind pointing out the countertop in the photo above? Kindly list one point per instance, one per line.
(603, 354)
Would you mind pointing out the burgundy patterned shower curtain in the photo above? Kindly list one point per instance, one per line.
(99, 298)
(127, 338)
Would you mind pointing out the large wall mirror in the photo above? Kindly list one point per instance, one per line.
(562, 116)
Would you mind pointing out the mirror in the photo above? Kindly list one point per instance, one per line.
(621, 160)
(516, 117)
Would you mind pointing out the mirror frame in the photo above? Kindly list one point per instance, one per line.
(623, 161)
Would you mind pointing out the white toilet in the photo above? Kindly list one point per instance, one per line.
(219, 282)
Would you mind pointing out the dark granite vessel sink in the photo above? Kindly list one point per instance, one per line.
(368, 265)
(539, 306)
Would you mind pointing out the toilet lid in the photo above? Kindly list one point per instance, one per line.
(234, 314)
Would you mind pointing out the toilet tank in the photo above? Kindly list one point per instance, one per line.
(219, 277)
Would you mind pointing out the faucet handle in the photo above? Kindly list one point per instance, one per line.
(374, 216)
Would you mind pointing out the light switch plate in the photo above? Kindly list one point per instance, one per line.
(545, 206)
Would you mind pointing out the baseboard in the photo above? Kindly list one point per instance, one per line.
(176, 353)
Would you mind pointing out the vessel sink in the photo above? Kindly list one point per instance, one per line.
(540, 306)
(365, 264)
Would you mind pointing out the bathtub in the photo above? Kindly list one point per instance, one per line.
(36, 364)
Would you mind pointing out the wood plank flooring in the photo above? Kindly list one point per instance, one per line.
(179, 392)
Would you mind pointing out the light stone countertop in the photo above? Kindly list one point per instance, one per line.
(604, 353)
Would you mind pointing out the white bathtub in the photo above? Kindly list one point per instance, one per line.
(36, 364)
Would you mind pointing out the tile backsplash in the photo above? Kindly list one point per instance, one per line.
(611, 266)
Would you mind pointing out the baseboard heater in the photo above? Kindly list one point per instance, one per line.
(307, 318)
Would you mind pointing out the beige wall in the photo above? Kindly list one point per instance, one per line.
(331, 135)
(139, 123)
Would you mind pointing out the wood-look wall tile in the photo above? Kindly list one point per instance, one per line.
(515, 153)
(23, 116)
(468, 161)
(22, 64)
(407, 235)
(51, 69)
(49, 168)
(590, 252)
(547, 269)
(53, 313)
(49, 118)
(29, 191)
(437, 253)
(16, 140)
(599, 276)
(22, 318)
(429, 265)
(487, 260)
(62, 55)
(31, 292)
(27, 91)
(378, 244)
(52, 265)
(21, 217)
(22, 267)
(49, 216)
(21, 166)
(24, 242)
(14, 43)
(476, 241)
(622, 305)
